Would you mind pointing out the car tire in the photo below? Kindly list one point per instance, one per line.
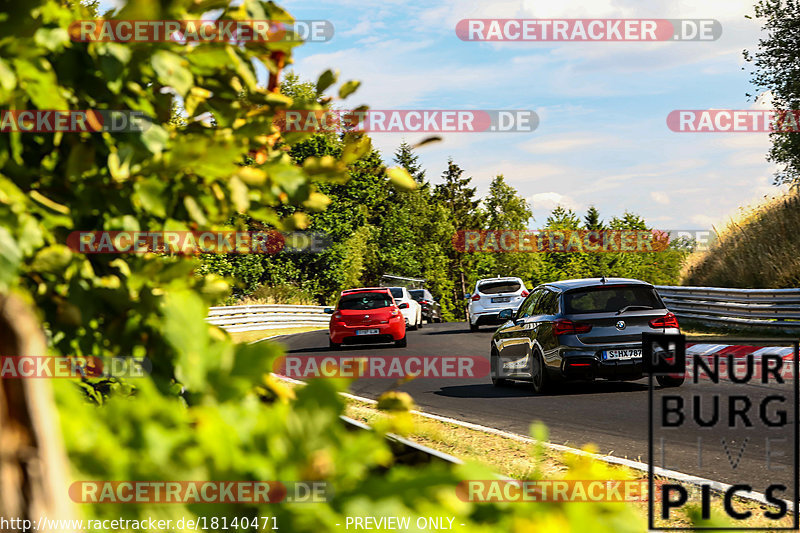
(334, 345)
(412, 327)
(540, 380)
(401, 343)
(670, 381)
(497, 382)
(473, 327)
(419, 324)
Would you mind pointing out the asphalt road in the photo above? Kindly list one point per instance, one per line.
(611, 415)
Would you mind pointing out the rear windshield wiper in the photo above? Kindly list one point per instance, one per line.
(629, 307)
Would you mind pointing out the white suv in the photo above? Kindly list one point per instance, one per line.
(491, 296)
(413, 312)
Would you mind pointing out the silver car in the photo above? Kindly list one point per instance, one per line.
(580, 329)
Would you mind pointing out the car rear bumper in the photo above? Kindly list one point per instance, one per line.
(344, 334)
(589, 363)
(589, 367)
(586, 361)
(488, 317)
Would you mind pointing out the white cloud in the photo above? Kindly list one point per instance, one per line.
(660, 197)
(563, 143)
(550, 200)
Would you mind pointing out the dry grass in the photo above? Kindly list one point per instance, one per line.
(759, 248)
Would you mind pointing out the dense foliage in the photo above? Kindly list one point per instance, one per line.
(776, 65)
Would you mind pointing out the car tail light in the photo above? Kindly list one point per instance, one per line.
(568, 327)
(525, 293)
(667, 321)
(476, 297)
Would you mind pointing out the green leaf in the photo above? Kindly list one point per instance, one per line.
(348, 88)
(51, 38)
(401, 179)
(150, 193)
(172, 72)
(52, 259)
(327, 79)
(8, 80)
(239, 194)
(9, 259)
(194, 210)
(40, 83)
(155, 138)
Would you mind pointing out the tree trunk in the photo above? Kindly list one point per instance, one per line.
(33, 465)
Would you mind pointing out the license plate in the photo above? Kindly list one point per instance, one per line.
(501, 299)
(621, 354)
(369, 332)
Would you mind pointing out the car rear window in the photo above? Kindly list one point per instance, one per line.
(397, 292)
(417, 294)
(610, 299)
(364, 301)
(497, 287)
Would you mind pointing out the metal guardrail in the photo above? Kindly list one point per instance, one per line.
(235, 318)
(749, 308)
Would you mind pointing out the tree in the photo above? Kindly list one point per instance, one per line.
(777, 69)
(406, 158)
(456, 194)
(458, 198)
(505, 209)
(592, 219)
(561, 218)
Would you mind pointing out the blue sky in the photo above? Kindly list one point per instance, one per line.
(602, 137)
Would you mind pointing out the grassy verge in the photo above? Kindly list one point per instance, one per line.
(251, 336)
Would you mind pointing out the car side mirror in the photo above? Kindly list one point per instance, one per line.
(506, 314)
(403, 306)
(328, 311)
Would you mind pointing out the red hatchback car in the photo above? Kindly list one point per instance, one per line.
(366, 316)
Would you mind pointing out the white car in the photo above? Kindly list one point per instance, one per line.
(412, 313)
(491, 296)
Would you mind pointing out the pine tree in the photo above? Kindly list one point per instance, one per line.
(406, 158)
(456, 194)
(592, 220)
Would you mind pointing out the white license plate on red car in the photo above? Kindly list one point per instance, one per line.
(367, 331)
(615, 355)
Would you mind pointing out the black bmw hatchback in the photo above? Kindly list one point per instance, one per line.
(580, 329)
